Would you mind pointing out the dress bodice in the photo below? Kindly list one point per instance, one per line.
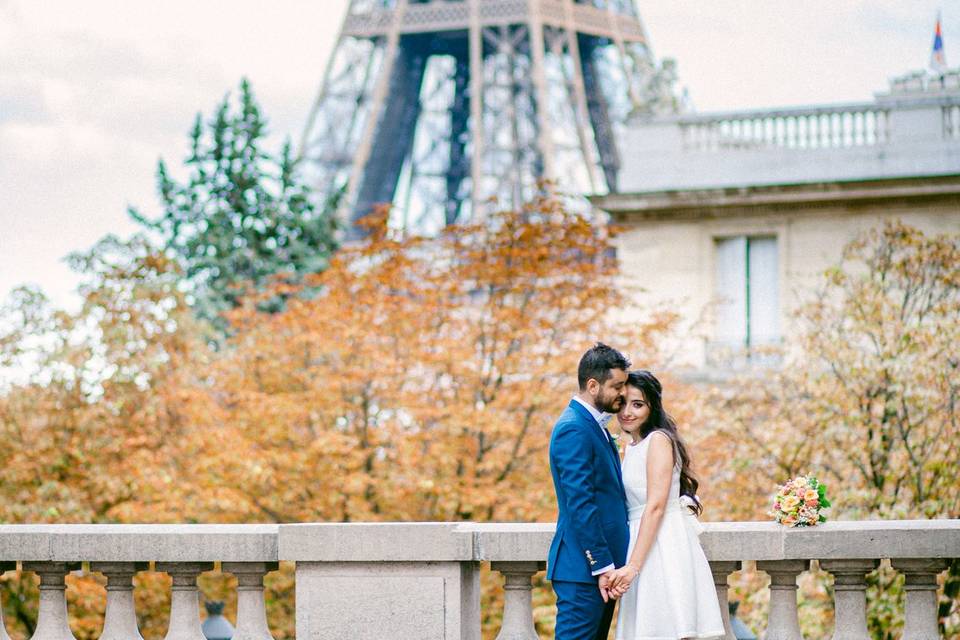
(635, 474)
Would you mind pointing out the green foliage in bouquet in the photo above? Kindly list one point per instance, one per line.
(800, 502)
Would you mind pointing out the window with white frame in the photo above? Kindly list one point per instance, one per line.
(747, 291)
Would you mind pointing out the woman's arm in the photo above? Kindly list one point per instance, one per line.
(660, 465)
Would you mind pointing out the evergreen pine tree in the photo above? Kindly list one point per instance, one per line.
(243, 216)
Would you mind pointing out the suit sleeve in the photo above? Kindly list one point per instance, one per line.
(573, 456)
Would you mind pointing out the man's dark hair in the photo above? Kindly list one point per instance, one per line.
(597, 363)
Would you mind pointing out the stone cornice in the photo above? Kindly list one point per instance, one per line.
(759, 199)
(451, 542)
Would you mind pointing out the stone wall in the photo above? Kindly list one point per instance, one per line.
(668, 238)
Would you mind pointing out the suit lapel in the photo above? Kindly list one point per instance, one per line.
(616, 465)
(616, 454)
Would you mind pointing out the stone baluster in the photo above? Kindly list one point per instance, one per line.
(721, 572)
(52, 617)
(120, 620)
(850, 597)
(517, 602)
(784, 623)
(251, 612)
(184, 603)
(920, 583)
(695, 136)
(869, 128)
(4, 567)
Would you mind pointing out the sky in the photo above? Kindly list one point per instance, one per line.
(93, 93)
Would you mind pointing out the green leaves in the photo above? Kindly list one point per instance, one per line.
(824, 502)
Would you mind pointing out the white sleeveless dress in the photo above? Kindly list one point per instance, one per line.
(673, 597)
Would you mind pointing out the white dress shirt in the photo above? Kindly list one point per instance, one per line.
(601, 417)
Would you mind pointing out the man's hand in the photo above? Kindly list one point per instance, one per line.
(603, 582)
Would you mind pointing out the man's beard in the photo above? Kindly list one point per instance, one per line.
(610, 405)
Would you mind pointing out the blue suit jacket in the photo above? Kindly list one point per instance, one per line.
(592, 530)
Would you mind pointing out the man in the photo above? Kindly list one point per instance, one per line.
(592, 532)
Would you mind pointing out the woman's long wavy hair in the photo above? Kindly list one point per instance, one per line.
(659, 419)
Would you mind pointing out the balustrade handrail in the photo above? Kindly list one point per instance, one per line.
(444, 541)
(424, 577)
(886, 105)
(138, 542)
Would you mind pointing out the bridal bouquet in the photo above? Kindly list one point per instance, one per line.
(800, 502)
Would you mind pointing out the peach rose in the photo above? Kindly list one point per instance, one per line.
(790, 503)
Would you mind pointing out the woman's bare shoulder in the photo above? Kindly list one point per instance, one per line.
(661, 436)
(661, 445)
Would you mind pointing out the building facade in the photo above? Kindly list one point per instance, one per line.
(731, 218)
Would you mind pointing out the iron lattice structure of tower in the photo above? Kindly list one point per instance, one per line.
(443, 106)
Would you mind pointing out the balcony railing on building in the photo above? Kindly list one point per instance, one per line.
(420, 581)
(911, 129)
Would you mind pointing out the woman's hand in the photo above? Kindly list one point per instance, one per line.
(622, 579)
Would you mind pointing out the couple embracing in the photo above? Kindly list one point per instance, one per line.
(626, 531)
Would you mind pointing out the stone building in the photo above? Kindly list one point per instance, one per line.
(730, 218)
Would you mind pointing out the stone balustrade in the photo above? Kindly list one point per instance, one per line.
(833, 126)
(912, 129)
(421, 580)
(120, 551)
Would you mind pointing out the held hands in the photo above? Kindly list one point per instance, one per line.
(619, 580)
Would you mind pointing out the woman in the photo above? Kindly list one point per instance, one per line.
(666, 589)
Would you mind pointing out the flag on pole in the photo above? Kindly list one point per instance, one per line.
(938, 59)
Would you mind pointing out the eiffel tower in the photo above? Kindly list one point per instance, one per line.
(445, 108)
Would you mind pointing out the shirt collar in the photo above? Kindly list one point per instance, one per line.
(601, 417)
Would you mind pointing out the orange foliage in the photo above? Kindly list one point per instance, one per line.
(414, 379)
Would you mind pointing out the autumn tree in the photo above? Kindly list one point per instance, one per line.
(95, 419)
(421, 383)
(868, 399)
(243, 215)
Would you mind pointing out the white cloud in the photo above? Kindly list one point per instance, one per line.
(93, 93)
